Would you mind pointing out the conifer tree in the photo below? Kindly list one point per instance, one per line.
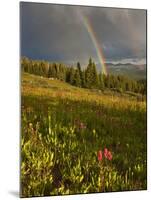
(101, 81)
(95, 79)
(77, 80)
(88, 78)
(88, 74)
(83, 79)
(80, 73)
(71, 76)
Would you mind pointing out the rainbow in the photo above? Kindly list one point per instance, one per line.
(93, 37)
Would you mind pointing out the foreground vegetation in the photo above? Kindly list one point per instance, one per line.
(76, 140)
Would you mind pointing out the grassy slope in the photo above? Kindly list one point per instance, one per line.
(111, 120)
(40, 86)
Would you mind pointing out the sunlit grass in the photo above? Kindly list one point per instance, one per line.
(64, 127)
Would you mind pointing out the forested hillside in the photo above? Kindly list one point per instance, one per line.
(85, 78)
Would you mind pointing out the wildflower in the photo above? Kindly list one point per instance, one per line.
(100, 156)
(30, 125)
(109, 155)
(79, 124)
(106, 153)
(82, 126)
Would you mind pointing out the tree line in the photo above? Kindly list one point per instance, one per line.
(85, 78)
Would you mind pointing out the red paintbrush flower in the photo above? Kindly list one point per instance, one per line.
(106, 153)
(109, 155)
(100, 155)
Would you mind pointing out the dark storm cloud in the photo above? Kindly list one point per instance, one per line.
(56, 32)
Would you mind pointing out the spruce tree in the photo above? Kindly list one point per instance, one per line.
(83, 79)
(95, 79)
(81, 75)
(71, 76)
(91, 76)
(88, 74)
(77, 80)
(101, 81)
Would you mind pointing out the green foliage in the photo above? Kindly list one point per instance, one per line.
(88, 78)
(80, 74)
(101, 81)
(72, 76)
(91, 76)
(61, 135)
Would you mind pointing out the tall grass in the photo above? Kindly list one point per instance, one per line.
(64, 128)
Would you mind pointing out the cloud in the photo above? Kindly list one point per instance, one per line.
(56, 32)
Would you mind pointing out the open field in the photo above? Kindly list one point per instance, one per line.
(64, 127)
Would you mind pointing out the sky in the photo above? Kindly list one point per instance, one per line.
(58, 33)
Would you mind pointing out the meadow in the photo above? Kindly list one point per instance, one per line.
(76, 140)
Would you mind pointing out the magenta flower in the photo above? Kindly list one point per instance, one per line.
(100, 155)
(106, 153)
(109, 155)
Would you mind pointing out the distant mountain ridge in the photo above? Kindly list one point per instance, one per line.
(136, 71)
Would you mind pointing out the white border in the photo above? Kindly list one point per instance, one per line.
(9, 98)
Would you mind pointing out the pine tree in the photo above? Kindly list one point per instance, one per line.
(88, 74)
(91, 76)
(54, 70)
(67, 75)
(95, 79)
(81, 75)
(71, 76)
(83, 79)
(101, 81)
(77, 80)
